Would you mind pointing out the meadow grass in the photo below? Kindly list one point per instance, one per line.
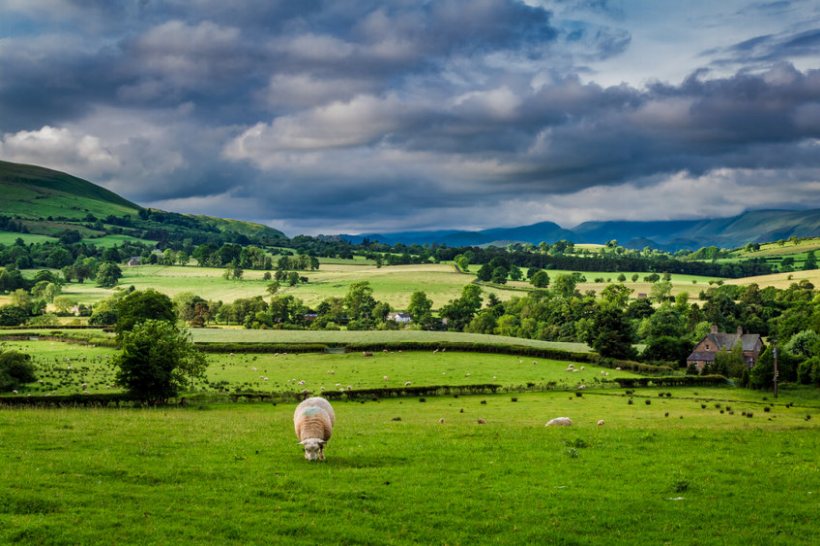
(233, 474)
(109, 241)
(780, 250)
(241, 335)
(393, 284)
(8, 237)
(67, 368)
(780, 280)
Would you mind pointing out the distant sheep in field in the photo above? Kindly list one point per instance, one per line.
(600, 422)
(313, 422)
(407, 383)
(367, 353)
(559, 422)
(441, 421)
(386, 378)
(482, 421)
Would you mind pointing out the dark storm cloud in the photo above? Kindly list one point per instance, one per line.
(316, 114)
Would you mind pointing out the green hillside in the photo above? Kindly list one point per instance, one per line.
(48, 202)
(32, 192)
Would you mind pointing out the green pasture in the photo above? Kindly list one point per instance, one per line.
(241, 335)
(109, 241)
(233, 473)
(780, 280)
(8, 238)
(67, 368)
(393, 284)
(337, 372)
(788, 248)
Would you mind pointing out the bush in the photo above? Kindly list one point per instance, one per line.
(11, 315)
(16, 369)
(157, 360)
(809, 371)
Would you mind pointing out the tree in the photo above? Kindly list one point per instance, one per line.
(108, 274)
(157, 360)
(540, 279)
(15, 370)
(420, 309)
(667, 348)
(611, 334)
(143, 305)
(616, 295)
(811, 261)
(660, 291)
(485, 273)
(565, 285)
(273, 287)
(359, 301)
(459, 312)
(499, 275)
(11, 315)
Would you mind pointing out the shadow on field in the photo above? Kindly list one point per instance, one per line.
(363, 461)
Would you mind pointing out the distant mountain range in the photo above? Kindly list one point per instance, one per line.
(47, 201)
(751, 226)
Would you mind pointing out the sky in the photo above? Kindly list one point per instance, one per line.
(344, 116)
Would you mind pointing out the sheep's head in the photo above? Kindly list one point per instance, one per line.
(314, 449)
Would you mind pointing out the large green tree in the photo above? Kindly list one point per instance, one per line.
(157, 360)
(142, 305)
(420, 309)
(610, 333)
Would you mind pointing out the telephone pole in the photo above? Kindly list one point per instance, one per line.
(774, 376)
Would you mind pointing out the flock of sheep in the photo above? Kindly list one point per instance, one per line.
(314, 418)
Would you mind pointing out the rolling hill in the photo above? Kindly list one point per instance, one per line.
(48, 202)
(35, 193)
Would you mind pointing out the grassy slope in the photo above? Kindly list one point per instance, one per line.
(780, 280)
(233, 474)
(36, 192)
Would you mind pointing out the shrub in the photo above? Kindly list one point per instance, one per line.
(157, 360)
(16, 369)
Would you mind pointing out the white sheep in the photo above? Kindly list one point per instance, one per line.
(600, 422)
(313, 422)
(559, 422)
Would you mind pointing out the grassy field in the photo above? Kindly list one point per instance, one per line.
(240, 335)
(780, 280)
(109, 241)
(233, 474)
(392, 284)
(8, 238)
(68, 368)
(780, 250)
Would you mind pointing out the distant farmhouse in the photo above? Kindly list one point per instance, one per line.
(714, 342)
(401, 318)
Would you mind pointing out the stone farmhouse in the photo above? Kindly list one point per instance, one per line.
(705, 351)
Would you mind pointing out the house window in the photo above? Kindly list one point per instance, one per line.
(707, 346)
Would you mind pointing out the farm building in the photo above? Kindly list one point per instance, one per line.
(401, 318)
(714, 342)
(134, 261)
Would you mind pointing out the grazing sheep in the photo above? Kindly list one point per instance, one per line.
(600, 422)
(386, 378)
(407, 383)
(482, 421)
(441, 421)
(313, 422)
(367, 353)
(559, 422)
